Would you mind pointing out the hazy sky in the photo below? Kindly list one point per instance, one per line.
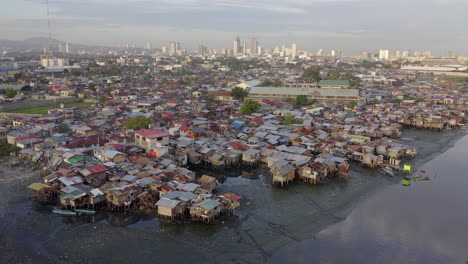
(350, 25)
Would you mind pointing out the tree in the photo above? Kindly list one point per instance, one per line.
(334, 75)
(312, 74)
(144, 93)
(249, 106)
(277, 83)
(210, 98)
(420, 99)
(376, 101)
(138, 122)
(6, 148)
(351, 105)
(64, 128)
(395, 101)
(289, 120)
(102, 99)
(239, 93)
(266, 83)
(86, 95)
(301, 100)
(10, 93)
(92, 86)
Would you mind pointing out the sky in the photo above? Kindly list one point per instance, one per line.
(349, 25)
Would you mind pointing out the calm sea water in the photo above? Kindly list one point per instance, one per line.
(369, 218)
(424, 223)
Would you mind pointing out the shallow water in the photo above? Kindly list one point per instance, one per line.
(423, 223)
(269, 220)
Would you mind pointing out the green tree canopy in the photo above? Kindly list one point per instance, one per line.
(289, 120)
(301, 99)
(138, 122)
(239, 93)
(351, 104)
(249, 106)
(6, 148)
(92, 86)
(312, 74)
(64, 128)
(334, 75)
(10, 93)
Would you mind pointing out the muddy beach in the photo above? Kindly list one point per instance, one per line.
(269, 220)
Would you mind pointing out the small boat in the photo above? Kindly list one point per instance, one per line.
(406, 182)
(83, 211)
(64, 212)
(387, 171)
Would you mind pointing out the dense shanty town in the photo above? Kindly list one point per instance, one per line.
(135, 132)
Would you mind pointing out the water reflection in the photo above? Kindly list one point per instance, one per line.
(424, 223)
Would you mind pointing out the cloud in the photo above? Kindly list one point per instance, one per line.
(265, 7)
(343, 24)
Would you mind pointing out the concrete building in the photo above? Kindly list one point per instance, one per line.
(294, 50)
(330, 95)
(51, 63)
(172, 49)
(236, 46)
(254, 47)
(384, 54)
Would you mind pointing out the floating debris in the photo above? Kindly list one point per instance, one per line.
(64, 212)
(83, 211)
(405, 182)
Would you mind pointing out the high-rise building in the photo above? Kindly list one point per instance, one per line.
(365, 55)
(294, 50)
(405, 54)
(336, 53)
(427, 54)
(172, 48)
(68, 48)
(398, 54)
(148, 46)
(177, 46)
(236, 46)
(320, 52)
(448, 53)
(384, 54)
(201, 50)
(254, 47)
(244, 48)
(164, 50)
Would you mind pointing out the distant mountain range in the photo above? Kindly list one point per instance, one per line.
(35, 44)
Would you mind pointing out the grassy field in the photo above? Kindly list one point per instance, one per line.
(457, 79)
(44, 109)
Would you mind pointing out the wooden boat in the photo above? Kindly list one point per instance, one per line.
(387, 171)
(83, 211)
(64, 212)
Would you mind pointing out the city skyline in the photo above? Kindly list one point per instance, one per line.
(349, 25)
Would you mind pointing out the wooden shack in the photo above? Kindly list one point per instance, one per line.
(206, 210)
(251, 156)
(283, 172)
(208, 181)
(169, 209)
(42, 192)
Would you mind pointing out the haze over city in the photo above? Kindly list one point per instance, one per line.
(349, 25)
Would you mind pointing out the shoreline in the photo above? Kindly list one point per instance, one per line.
(319, 202)
(417, 163)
